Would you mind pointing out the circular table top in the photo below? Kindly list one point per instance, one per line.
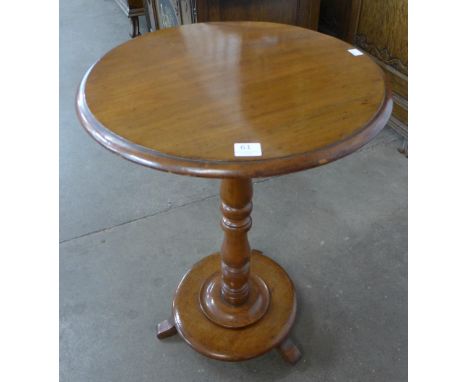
(179, 99)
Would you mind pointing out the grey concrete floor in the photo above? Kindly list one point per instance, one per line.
(129, 233)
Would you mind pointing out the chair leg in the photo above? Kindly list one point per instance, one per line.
(404, 147)
(134, 26)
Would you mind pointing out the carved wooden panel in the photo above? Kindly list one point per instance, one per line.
(383, 32)
(383, 25)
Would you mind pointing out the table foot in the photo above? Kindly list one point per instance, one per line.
(289, 351)
(166, 329)
(241, 343)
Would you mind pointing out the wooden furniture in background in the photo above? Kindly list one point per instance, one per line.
(340, 18)
(303, 13)
(301, 95)
(379, 27)
(133, 9)
(162, 14)
(383, 33)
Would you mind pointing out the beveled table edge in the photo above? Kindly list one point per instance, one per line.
(250, 168)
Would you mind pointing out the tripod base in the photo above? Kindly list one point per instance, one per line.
(237, 344)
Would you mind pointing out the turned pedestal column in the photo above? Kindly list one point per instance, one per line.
(234, 296)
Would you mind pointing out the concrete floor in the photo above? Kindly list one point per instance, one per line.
(129, 233)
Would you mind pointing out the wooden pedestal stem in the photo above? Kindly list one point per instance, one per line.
(233, 297)
(236, 316)
(236, 205)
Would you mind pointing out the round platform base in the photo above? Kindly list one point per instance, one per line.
(237, 344)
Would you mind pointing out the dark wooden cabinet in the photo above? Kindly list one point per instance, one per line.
(304, 13)
(339, 18)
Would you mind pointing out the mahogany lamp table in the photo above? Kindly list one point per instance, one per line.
(234, 101)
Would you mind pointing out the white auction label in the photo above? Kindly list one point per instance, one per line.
(355, 52)
(247, 149)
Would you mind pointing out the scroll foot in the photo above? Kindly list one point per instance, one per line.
(166, 329)
(289, 351)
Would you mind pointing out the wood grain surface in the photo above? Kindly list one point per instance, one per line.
(384, 23)
(177, 100)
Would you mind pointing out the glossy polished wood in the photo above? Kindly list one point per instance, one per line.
(177, 100)
(236, 205)
(224, 313)
(227, 344)
(233, 297)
